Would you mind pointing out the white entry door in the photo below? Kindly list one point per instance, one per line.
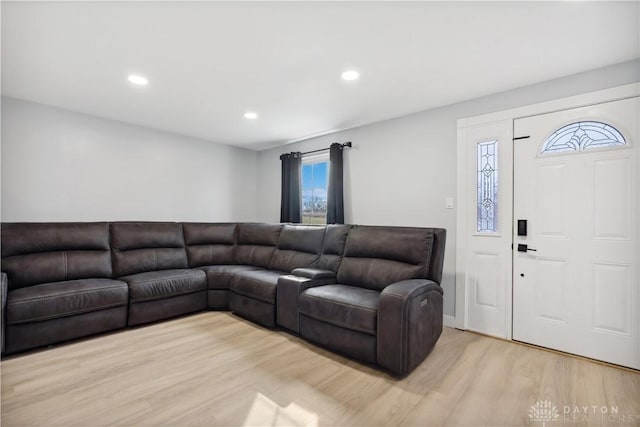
(576, 184)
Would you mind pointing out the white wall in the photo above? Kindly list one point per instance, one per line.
(59, 165)
(400, 171)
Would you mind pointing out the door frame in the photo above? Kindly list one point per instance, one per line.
(463, 190)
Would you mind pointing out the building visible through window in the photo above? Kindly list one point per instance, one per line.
(315, 182)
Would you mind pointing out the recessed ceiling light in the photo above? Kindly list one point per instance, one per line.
(250, 115)
(350, 75)
(138, 80)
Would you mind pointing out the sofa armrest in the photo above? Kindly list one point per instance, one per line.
(4, 283)
(289, 289)
(409, 324)
(314, 273)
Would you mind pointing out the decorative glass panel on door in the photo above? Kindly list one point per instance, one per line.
(487, 191)
(582, 136)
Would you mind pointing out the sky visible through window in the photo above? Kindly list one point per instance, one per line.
(314, 192)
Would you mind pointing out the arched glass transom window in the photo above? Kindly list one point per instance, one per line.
(581, 136)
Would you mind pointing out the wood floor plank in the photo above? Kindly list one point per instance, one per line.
(215, 369)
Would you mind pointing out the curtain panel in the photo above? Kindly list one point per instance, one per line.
(335, 193)
(290, 193)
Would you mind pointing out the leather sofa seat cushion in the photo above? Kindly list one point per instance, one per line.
(256, 243)
(219, 276)
(375, 257)
(154, 285)
(257, 284)
(345, 306)
(60, 299)
(139, 247)
(335, 237)
(298, 246)
(209, 244)
(38, 253)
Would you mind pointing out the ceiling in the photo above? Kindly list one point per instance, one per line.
(210, 62)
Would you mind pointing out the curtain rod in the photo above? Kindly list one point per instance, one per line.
(346, 144)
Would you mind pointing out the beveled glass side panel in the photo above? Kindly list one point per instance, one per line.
(487, 183)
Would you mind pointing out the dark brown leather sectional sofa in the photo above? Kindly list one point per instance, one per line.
(371, 293)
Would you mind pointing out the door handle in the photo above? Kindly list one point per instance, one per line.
(525, 248)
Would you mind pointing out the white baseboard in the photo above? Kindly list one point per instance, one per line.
(449, 321)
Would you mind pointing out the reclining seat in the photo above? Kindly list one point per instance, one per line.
(152, 259)
(210, 248)
(253, 293)
(386, 307)
(57, 284)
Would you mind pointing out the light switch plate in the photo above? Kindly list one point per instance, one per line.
(449, 202)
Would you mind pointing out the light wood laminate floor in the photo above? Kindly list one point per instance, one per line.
(215, 369)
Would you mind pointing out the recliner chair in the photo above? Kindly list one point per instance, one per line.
(385, 307)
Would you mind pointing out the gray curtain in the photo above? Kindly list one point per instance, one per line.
(290, 194)
(335, 197)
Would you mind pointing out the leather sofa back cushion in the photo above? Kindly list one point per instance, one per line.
(298, 246)
(256, 243)
(375, 257)
(209, 244)
(34, 253)
(140, 246)
(335, 238)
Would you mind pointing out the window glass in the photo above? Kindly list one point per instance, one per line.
(487, 196)
(581, 136)
(315, 182)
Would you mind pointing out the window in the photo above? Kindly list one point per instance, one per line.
(581, 136)
(487, 202)
(315, 182)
